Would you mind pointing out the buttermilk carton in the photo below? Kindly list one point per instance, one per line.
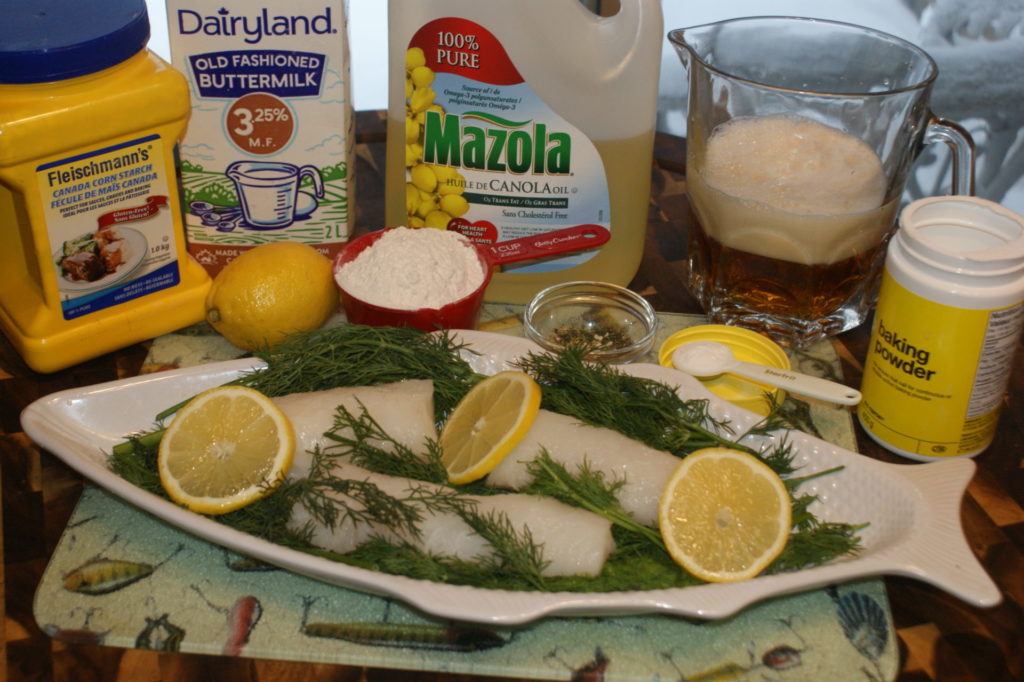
(268, 151)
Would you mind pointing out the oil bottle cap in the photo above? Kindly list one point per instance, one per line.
(746, 345)
(51, 40)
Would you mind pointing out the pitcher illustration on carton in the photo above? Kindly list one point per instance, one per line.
(510, 120)
(268, 154)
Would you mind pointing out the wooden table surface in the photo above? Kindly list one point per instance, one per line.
(940, 637)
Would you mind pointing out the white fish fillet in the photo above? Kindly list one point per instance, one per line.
(574, 541)
(571, 443)
(404, 410)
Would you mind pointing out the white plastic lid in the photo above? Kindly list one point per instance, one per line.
(964, 234)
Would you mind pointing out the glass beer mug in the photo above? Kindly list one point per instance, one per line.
(800, 136)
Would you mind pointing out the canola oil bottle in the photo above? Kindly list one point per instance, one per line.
(508, 120)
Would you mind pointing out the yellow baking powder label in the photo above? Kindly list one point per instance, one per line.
(111, 231)
(935, 374)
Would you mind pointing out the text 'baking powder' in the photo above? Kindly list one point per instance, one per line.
(407, 269)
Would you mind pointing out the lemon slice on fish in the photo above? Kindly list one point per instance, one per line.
(487, 423)
(227, 447)
(724, 515)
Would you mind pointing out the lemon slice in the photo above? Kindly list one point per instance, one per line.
(487, 423)
(226, 448)
(724, 515)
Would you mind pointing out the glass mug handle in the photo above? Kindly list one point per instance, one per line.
(961, 147)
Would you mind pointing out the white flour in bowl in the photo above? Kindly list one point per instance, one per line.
(409, 269)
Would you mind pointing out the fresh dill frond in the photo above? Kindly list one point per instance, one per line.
(403, 558)
(331, 502)
(643, 409)
(406, 559)
(358, 355)
(268, 517)
(775, 420)
(361, 440)
(587, 489)
(515, 553)
(816, 543)
(637, 564)
(779, 458)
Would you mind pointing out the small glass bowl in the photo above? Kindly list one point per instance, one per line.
(620, 322)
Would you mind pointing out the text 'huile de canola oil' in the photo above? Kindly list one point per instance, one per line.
(509, 121)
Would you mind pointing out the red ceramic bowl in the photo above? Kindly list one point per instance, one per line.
(461, 314)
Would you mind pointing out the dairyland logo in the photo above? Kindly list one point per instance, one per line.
(254, 27)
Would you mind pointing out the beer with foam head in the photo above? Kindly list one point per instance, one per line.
(792, 218)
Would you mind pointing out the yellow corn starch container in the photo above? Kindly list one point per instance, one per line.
(94, 254)
(949, 317)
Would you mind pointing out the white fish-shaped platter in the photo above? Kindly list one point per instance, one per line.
(912, 510)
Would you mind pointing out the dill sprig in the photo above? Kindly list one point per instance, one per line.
(643, 409)
(515, 553)
(357, 355)
(814, 543)
(403, 558)
(361, 440)
(333, 501)
(268, 517)
(780, 459)
(587, 489)
(406, 559)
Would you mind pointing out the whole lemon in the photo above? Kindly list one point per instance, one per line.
(271, 291)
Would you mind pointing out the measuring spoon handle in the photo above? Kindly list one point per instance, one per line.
(802, 384)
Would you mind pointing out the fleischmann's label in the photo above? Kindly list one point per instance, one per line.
(268, 152)
(935, 374)
(111, 231)
(485, 156)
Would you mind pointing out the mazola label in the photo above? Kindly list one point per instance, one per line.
(485, 155)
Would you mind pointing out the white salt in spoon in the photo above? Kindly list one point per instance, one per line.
(704, 359)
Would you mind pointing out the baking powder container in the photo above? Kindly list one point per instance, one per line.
(946, 328)
(746, 345)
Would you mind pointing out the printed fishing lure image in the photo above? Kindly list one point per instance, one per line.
(101, 575)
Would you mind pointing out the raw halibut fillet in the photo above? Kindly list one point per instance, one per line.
(570, 443)
(404, 410)
(575, 541)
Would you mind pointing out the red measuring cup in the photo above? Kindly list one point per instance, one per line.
(464, 312)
